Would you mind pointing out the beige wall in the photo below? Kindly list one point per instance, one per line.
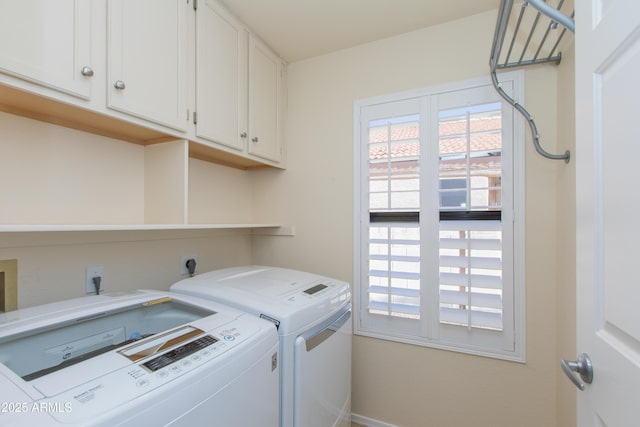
(396, 383)
(566, 242)
(54, 175)
(51, 265)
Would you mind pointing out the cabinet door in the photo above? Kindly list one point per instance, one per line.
(266, 75)
(221, 76)
(147, 56)
(48, 42)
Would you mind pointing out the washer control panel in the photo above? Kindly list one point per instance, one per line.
(126, 384)
(321, 290)
(317, 288)
(179, 353)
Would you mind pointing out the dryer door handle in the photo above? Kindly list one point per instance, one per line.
(317, 336)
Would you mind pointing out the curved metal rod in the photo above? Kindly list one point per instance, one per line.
(501, 27)
(532, 124)
(554, 14)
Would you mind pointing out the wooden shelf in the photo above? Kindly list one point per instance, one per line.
(26, 104)
(139, 227)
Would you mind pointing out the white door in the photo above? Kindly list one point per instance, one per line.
(608, 173)
(221, 77)
(265, 101)
(48, 43)
(147, 57)
(322, 375)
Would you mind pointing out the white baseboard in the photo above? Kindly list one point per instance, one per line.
(369, 422)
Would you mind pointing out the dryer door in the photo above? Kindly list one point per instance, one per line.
(322, 374)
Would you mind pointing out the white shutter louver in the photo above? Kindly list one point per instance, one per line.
(471, 274)
(394, 269)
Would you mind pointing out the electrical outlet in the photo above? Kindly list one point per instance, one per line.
(183, 264)
(94, 271)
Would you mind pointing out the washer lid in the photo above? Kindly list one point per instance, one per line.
(272, 283)
(296, 299)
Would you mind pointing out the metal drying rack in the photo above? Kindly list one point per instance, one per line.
(535, 26)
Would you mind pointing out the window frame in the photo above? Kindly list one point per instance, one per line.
(408, 330)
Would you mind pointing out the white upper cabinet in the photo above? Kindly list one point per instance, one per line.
(147, 60)
(266, 101)
(239, 85)
(146, 71)
(48, 43)
(221, 76)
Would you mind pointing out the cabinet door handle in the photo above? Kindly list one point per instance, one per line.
(243, 135)
(87, 71)
(254, 139)
(119, 84)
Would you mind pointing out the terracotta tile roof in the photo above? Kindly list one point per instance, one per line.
(379, 134)
(488, 166)
(487, 137)
(477, 125)
(411, 149)
(481, 142)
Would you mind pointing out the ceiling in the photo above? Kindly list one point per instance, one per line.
(299, 29)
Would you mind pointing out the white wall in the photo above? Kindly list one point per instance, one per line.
(397, 383)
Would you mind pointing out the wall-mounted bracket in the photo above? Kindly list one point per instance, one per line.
(530, 26)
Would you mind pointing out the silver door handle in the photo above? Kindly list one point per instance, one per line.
(318, 335)
(582, 366)
(119, 84)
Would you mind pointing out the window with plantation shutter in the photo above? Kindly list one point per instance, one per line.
(470, 241)
(438, 247)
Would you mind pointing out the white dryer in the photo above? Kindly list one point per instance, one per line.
(313, 315)
(142, 358)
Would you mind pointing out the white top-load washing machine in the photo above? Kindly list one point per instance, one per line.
(141, 358)
(313, 314)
